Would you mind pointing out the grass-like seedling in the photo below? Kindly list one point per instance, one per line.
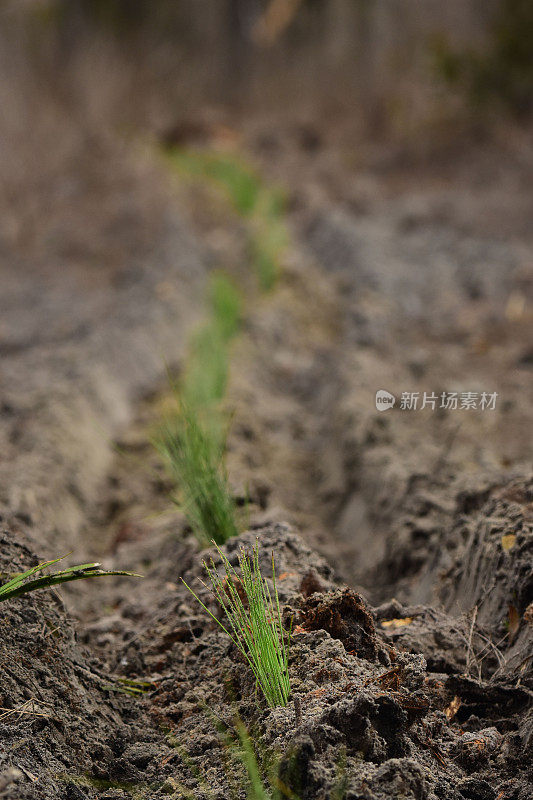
(262, 768)
(254, 622)
(270, 237)
(262, 205)
(226, 305)
(193, 440)
(237, 180)
(206, 371)
(267, 245)
(21, 584)
(194, 449)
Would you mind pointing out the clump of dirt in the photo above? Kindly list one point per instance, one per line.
(493, 559)
(65, 723)
(345, 617)
(478, 566)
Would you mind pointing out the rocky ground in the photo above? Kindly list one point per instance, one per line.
(403, 539)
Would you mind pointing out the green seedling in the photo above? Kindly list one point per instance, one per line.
(267, 247)
(254, 624)
(269, 238)
(226, 305)
(193, 441)
(261, 767)
(262, 206)
(206, 372)
(238, 182)
(194, 450)
(21, 585)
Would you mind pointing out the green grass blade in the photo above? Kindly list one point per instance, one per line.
(22, 576)
(82, 572)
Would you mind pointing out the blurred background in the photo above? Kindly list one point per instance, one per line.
(394, 65)
(388, 82)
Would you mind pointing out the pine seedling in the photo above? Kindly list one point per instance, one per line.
(226, 305)
(235, 179)
(261, 205)
(253, 618)
(206, 372)
(195, 453)
(269, 239)
(21, 585)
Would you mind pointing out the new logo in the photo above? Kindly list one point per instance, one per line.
(384, 400)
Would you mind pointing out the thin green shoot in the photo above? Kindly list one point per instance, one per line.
(239, 745)
(263, 206)
(256, 788)
(193, 440)
(269, 239)
(239, 183)
(206, 372)
(254, 623)
(341, 782)
(194, 450)
(20, 584)
(226, 305)
(275, 788)
(267, 247)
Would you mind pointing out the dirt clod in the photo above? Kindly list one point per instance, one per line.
(345, 616)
